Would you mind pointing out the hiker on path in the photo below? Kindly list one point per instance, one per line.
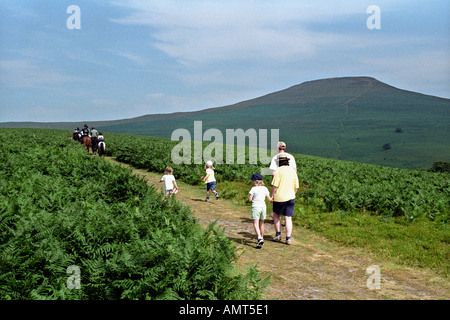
(257, 196)
(210, 180)
(170, 185)
(281, 147)
(284, 187)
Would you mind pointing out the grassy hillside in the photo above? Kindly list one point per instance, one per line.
(63, 207)
(352, 118)
(400, 214)
(336, 184)
(348, 118)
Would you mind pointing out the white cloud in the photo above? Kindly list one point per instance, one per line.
(201, 32)
(102, 102)
(134, 58)
(240, 42)
(156, 102)
(410, 69)
(166, 103)
(26, 74)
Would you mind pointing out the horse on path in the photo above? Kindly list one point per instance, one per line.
(94, 144)
(76, 136)
(87, 142)
(101, 148)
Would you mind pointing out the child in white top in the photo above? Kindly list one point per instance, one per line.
(257, 195)
(169, 181)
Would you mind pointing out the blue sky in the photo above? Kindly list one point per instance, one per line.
(131, 58)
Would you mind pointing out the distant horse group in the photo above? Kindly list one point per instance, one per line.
(90, 143)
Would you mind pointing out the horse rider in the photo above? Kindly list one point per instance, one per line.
(76, 134)
(85, 132)
(94, 139)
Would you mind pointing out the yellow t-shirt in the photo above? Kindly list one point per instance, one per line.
(211, 175)
(286, 180)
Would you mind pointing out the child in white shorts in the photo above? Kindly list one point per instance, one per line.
(170, 185)
(258, 195)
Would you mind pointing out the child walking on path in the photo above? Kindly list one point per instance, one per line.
(169, 182)
(257, 196)
(210, 180)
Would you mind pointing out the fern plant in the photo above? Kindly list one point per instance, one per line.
(61, 207)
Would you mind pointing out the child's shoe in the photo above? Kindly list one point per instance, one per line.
(260, 243)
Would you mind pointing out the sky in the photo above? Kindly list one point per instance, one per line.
(121, 59)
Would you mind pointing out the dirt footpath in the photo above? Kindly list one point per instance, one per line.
(312, 267)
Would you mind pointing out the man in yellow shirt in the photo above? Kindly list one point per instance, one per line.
(284, 187)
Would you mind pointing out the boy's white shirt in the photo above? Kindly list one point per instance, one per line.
(274, 165)
(168, 181)
(259, 195)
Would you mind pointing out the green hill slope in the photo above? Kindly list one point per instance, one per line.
(351, 118)
(359, 119)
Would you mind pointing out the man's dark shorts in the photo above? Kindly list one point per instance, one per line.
(284, 208)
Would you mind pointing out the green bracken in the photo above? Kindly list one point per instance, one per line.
(61, 207)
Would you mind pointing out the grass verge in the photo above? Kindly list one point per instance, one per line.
(420, 243)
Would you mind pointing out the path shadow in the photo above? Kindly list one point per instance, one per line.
(268, 220)
(249, 239)
(201, 200)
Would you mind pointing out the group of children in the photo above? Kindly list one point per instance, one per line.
(257, 195)
(170, 184)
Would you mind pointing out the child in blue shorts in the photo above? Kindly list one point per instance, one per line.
(210, 180)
